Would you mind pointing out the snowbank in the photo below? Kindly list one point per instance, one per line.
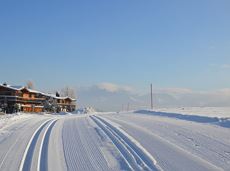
(8, 119)
(224, 122)
(221, 112)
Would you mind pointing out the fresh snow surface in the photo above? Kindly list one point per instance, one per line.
(6, 120)
(135, 141)
(219, 116)
(86, 110)
(222, 112)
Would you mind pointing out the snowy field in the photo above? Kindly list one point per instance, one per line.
(167, 139)
(201, 111)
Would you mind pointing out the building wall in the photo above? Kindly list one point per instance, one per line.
(7, 92)
(30, 101)
(30, 109)
(25, 95)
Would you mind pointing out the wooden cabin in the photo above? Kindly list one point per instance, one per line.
(19, 98)
(66, 104)
(31, 101)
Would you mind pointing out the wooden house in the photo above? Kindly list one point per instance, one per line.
(64, 104)
(19, 98)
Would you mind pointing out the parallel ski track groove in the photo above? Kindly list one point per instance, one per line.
(28, 153)
(43, 152)
(136, 158)
(72, 157)
(89, 146)
(85, 155)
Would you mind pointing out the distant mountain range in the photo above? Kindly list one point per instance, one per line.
(108, 100)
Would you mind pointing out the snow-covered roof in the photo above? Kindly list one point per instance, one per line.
(61, 98)
(71, 98)
(17, 88)
(34, 91)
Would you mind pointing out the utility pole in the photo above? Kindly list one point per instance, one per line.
(128, 107)
(151, 87)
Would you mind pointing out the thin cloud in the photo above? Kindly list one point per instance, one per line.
(174, 90)
(110, 87)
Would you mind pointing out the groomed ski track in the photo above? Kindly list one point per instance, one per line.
(114, 142)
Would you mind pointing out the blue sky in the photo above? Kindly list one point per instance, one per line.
(126, 42)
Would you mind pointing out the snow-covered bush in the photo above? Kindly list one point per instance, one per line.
(50, 105)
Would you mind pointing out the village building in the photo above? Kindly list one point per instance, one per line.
(64, 104)
(20, 98)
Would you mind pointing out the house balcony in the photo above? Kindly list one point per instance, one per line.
(20, 99)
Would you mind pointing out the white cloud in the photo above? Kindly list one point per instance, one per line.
(110, 87)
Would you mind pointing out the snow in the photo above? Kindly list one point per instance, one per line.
(54, 96)
(128, 146)
(196, 146)
(6, 120)
(222, 112)
(191, 116)
(85, 151)
(86, 110)
(63, 113)
(165, 139)
(12, 87)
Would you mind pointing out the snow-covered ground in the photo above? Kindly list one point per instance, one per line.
(140, 140)
(201, 111)
(6, 120)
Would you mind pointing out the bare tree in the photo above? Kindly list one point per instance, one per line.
(30, 85)
(68, 91)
